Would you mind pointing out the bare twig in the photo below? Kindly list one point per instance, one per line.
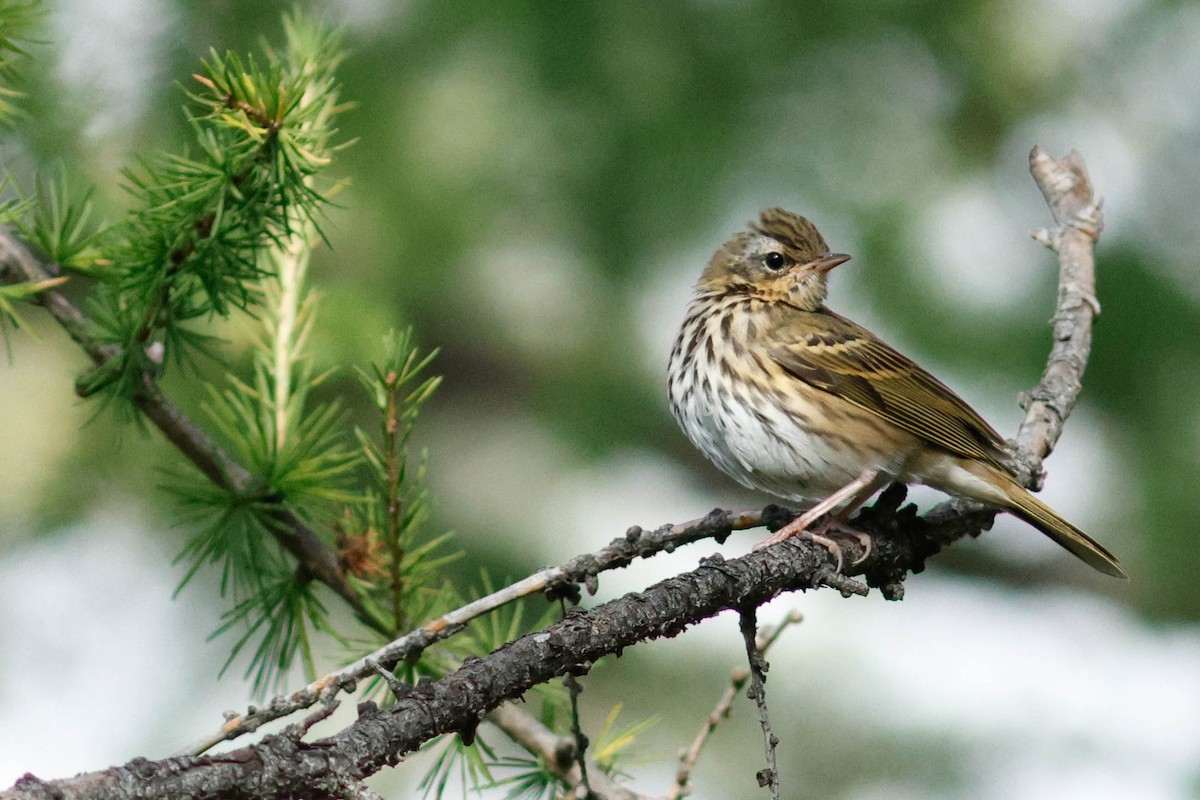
(737, 681)
(320, 715)
(1068, 192)
(398, 687)
(582, 790)
(1076, 209)
(688, 758)
(748, 622)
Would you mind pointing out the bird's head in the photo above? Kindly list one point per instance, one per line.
(782, 257)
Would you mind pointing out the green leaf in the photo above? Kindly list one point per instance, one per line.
(12, 294)
(62, 228)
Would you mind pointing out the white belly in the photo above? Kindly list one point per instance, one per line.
(801, 452)
(764, 448)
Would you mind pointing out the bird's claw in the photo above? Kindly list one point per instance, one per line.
(826, 535)
(837, 527)
(832, 546)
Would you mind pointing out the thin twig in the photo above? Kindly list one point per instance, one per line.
(320, 715)
(582, 790)
(398, 687)
(737, 681)
(1068, 192)
(748, 623)
(689, 757)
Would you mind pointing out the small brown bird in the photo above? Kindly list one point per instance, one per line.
(789, 398)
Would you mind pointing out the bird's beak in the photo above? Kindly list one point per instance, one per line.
(824, 263)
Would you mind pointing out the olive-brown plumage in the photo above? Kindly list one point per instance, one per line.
(789, 398)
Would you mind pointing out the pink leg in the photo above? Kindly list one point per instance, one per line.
(840, 525)
(856, 489)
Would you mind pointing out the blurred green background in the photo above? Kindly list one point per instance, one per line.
(534, 186)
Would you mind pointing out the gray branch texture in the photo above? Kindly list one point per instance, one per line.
(288, 765)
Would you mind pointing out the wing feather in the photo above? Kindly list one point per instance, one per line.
(849, 361)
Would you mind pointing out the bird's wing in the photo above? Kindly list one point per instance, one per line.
(836, 355)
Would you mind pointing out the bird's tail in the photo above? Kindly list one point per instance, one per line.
(1045, 519)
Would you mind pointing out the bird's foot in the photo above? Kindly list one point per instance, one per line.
(832, 546)
(825, 534)
(835, 527)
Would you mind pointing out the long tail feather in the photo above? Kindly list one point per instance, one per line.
(1046, 520)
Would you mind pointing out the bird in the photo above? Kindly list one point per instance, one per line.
(791, 399)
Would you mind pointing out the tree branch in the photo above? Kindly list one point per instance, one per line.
(583, 569)
(18, 265)
(285, 766)
(1068, 192)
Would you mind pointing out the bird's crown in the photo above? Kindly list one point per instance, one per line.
(793, 231)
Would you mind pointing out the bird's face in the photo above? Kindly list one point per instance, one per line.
(781, 258)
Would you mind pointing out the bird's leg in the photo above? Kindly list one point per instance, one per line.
(839, 523)
(857, 491)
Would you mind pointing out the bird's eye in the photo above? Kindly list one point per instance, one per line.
(774, 260)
